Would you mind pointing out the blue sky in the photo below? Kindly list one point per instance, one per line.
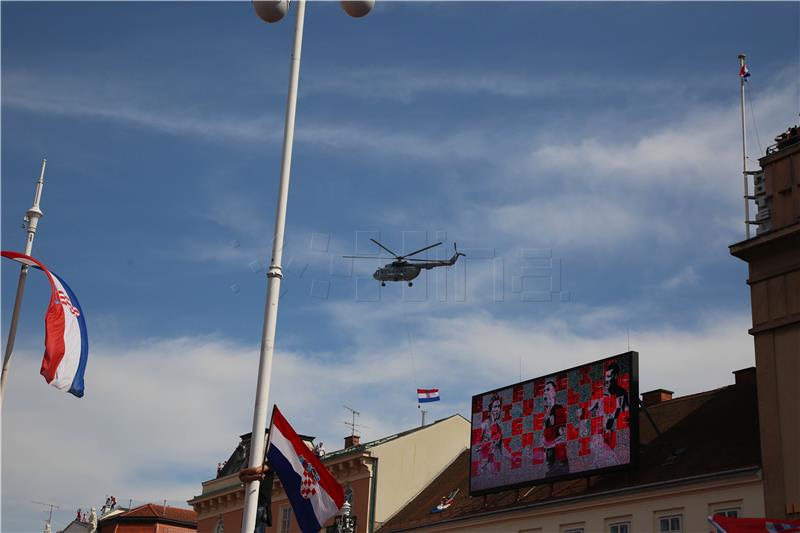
(595, 145)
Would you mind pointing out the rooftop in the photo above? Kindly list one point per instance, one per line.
(383, 440)
(156, 512)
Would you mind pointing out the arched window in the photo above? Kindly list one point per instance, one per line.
(220, 527)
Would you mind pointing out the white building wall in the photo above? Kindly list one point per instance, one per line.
(408, 464)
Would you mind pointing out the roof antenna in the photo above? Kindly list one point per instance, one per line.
(352, 425)
(52, 506)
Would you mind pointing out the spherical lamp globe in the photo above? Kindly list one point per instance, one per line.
(357, 8)
(271, 10)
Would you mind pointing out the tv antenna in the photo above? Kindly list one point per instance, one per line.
(51, 506)
(352, 425)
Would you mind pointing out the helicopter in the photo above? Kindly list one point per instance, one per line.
(403, 269)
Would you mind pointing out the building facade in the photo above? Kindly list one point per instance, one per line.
(379, 477)
(773, 258)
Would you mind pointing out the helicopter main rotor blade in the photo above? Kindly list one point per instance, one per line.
(385, 248)
(368, 257)
(421, 250)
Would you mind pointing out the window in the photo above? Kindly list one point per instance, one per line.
(220, 527)
(620, 527)
(286, 519)
(732, 512)
(671, 524)
(574, 530)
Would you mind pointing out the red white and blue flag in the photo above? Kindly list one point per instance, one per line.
(725, 524)
(744, 73)
(312, 490)
(427, 395)
(66, 345)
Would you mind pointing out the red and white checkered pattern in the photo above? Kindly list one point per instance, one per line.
(308, 487)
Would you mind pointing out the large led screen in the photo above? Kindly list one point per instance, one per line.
(573, 423)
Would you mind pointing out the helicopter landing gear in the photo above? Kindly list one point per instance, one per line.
(410, 283)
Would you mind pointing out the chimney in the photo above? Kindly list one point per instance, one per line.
(351, 440)
(655, 397)
(745, 376)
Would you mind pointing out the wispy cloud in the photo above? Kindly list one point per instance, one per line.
(687, 276)
(64, 96)
(408, 84)
(696, 150)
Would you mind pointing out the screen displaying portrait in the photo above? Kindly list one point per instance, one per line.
(572, 423)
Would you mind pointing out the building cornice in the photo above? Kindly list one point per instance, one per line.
(767, 243)
(701, 482)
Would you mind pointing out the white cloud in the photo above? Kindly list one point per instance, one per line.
(578, 220)
(687, 276)
(697, 151)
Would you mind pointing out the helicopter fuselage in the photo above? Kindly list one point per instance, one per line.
(395, 272)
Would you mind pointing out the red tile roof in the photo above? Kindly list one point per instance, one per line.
(158, 511)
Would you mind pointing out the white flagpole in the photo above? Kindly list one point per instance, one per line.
(32, 217)
(744, 151)
(274, 276)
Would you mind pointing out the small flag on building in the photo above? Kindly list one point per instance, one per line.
(312, 490)
(725, 524)
(66, 344)
(427, 395)
(446, 502)
(743, 72)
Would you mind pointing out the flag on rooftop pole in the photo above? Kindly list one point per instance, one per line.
(66, 344)
(743, 72)
(312, 490)
(427, 395)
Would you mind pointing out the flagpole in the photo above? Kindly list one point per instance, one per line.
(31, 221)
(274, 276)
(744, 149)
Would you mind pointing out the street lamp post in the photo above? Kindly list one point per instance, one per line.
(345, 522)
(273, 11)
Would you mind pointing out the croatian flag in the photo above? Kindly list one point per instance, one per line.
(66, 345)
(314, 493)
(744, 73)
(427, 395)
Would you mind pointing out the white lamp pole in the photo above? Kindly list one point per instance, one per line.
(272, 11)
(31, 222)
(274, 276)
